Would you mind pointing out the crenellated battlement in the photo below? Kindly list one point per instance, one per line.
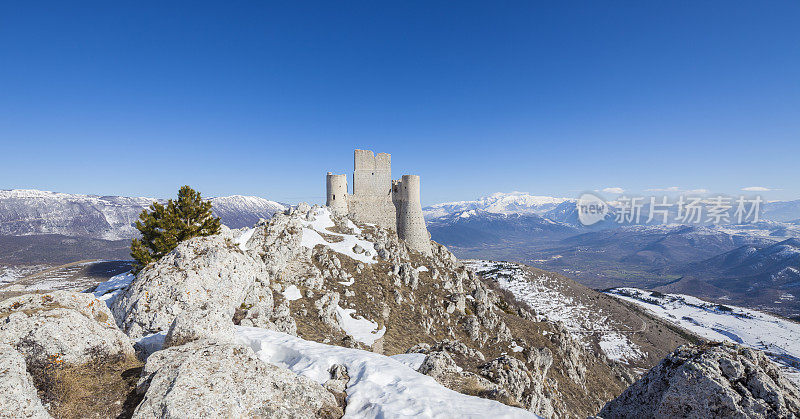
(379, 200)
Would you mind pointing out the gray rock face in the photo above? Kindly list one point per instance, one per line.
(61, 326)
(723, 380)
(213, 324)
(201, 272)
(438, 365)
(18, 397)
(211, 379)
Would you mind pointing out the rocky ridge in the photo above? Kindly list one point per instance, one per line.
(712, 380)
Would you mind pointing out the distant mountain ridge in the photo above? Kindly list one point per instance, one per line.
(564, 209)
(30, 211)
(499, 203)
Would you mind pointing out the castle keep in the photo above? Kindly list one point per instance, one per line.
(379, 200)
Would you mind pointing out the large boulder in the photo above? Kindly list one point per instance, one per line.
(18, 397)
(201, 272)
(212, 323)
(716, 380)
(61, 327)
(213, 379)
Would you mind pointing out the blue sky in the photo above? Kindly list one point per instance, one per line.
(263, 98)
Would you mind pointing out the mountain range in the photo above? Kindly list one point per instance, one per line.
(537, 230)
(29, 212)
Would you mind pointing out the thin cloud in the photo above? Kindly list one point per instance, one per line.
(614, 190)
(697, 191)
(758, 189)
(669, 189)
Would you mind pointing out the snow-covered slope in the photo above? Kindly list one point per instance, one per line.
(500, 203)
(29, 211)
(551, 300)
(239, 211)
(779, 338)
(379, 386)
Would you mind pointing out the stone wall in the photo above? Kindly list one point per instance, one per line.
(371, 201)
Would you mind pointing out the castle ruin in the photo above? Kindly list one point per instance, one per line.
(379, 200)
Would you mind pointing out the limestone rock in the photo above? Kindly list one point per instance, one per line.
(61, 326)
(210, 323)
(438, 365)
(200, 272)
(257, 307)
(211, 379)
(18, 397)
(510, 373)
(718, 380)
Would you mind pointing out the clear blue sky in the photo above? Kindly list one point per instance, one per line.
(263, 98)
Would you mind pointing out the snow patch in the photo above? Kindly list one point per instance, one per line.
(292, 293)
(243, 238)
(379, 387)
(109, 290)
(320, 224)
(361, 329)
(413, 361)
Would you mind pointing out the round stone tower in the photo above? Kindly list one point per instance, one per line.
(410, 221)
(337, 193)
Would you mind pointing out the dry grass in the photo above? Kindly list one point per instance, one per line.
(104, 387)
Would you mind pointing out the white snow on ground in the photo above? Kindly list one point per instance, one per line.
(12, 273)
(292, 293)
(109, 290)
(361, 329)
(322, 221)
(244, 238)
(779, 338)
(617, 347)
(413, 361)
(379, 387)
(544, 296)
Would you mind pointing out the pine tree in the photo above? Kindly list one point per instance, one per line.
(164, 226)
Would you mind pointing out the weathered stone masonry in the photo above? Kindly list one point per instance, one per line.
(379, 200)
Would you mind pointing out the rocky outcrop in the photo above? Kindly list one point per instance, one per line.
(212, 379)
(61, 327)
(201, 272)
(211, 323)
(715, 380)
(18, 397)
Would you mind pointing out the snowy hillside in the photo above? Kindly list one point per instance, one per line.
(499, 203)
(552, 303)
(779, 338)
(239, 211)
(29, 211)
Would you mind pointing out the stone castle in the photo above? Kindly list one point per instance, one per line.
(379, 200)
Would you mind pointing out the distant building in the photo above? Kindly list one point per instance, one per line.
(379, 200)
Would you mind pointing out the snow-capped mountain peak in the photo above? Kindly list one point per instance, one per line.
(499, 203)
